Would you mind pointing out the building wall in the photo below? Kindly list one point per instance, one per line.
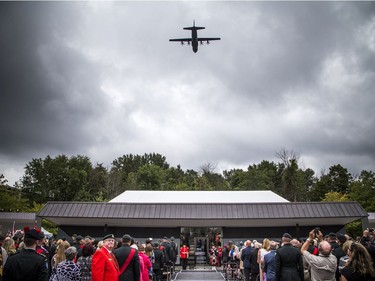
(229, 233)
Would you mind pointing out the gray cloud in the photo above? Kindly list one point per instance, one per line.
(101, 79)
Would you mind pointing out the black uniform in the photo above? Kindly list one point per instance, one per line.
(158, 264)
(289, 264)
(174, 251)
(168, 251)
(254, 266)
(132, 271)
(25, 266)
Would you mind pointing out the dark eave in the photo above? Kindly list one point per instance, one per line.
(198, 215)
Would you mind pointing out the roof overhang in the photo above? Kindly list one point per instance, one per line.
(11, 217)
(199, 215)
(199, 222)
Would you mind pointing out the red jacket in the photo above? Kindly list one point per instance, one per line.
(184, 252)
(219, 252)
(104, 266)
(147, 266)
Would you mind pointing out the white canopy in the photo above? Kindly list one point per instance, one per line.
(151, 196)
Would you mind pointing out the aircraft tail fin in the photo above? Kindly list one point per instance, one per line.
(194, 27)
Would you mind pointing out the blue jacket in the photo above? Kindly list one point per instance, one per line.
(270, 265)
(245, 256)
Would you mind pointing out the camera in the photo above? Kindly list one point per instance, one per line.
(316, 231)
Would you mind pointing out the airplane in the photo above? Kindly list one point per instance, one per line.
(194, 38)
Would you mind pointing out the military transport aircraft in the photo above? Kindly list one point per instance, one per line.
(194, 38)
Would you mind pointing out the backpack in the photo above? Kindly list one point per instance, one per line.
(165, 255)
(174, 250)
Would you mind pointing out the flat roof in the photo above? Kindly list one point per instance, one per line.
(153, 196)
(228, 214)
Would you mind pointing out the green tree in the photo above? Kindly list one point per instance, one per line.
(190, 179)
(10, 199)
(128, 164)
(335, 197)
(319, 188)
(262, 176)
(96, 188)
(174, 178)
(57, 179)
(339, 179)
(209, 179)
(3, 181)
(237, 179)
(362, 190)
(292, 177)
(150, 177)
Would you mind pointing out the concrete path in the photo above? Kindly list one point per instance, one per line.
(198, 275)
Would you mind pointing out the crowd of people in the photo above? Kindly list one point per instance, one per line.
(334, 257)
(331, 257)
(82, 258)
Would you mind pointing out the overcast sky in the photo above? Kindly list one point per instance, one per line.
(101, 79)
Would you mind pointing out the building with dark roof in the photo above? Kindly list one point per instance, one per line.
(233, 215)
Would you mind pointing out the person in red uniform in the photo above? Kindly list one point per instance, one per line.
(184, 254)
(104, 264)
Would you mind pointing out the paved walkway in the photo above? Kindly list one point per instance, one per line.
(198, 275)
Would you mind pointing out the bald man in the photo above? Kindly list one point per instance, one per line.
(323, 266)
(245, 257)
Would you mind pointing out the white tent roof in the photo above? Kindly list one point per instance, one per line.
(46, 232)
(141, 196)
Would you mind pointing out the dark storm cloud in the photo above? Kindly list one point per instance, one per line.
(49, 91)
(102, 79)
(282, 46)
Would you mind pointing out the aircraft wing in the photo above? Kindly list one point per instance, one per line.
(181, 40)
(207, 39)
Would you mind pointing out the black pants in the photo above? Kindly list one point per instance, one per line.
(158, 274)
(247, 274)
(184, 263)
(254, 276)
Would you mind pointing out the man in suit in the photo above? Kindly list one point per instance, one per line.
(158, 264)
(245, 257)
(26, 265)
(254, 265)
(289, 263)
(104, 263)
(132, 271)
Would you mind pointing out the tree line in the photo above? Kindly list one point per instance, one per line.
(76, 178)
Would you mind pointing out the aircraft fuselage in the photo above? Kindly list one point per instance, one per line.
(194, 40)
